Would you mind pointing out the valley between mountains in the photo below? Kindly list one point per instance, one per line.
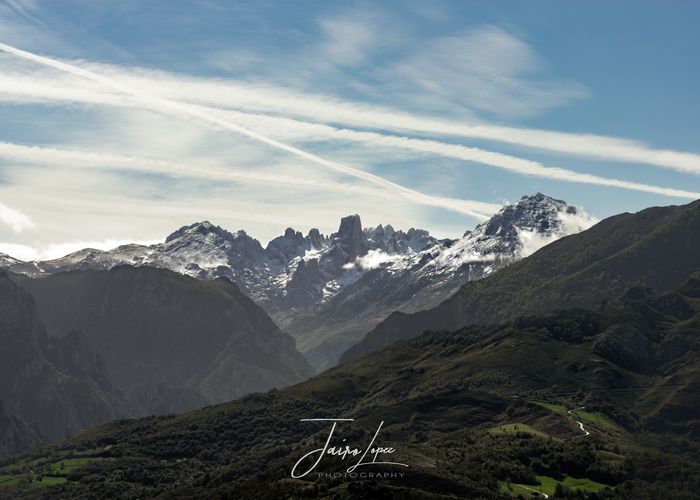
(543, 352)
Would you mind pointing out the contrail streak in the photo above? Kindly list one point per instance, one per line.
(79, 159)
(507, 162)
(473, 208)
(510, 163)
(228, 94)
(17, 7)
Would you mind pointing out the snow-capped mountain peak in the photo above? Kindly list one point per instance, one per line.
(515, 231)
(295, 270)
(517, 226)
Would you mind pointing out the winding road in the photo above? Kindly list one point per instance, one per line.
(585, 434)
(580, 424)
(530, 489)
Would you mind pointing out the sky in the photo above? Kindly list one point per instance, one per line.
(123, 120)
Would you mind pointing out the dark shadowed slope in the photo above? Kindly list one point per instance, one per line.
(168, 337)
(49, 388)
(657, 247)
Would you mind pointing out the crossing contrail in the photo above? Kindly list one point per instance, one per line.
(476, 209)
(169, 88)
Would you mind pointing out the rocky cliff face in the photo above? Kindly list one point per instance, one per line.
(126, 342)
(16, 436)
(158, 332)
(49, 388)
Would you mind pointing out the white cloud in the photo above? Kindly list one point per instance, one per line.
(77, 159)
(15, 219)
(348, 39)
(571, 223)
(372, 260)
(29, 253)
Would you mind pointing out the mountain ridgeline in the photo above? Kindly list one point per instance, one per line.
(328, 291)
(655, 248)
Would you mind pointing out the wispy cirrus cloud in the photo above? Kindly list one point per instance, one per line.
(485, 69)
(348, 40)
(301, 130)
(77, 159)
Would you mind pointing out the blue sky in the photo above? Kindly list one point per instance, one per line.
(424, 114)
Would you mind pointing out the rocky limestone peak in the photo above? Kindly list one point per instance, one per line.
(349, 242)
(387, 239)
(419, 239)
(538, 212)
(350, 226)
(377, 236)
(196, 230)
(206, 232)
(84, 254)
(284, 248)
(7, 260)
(215, 246)
(316, 240)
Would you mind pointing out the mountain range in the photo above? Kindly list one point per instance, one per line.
(163, 329)
(577, 365)
(328, 291)
(656, 248)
